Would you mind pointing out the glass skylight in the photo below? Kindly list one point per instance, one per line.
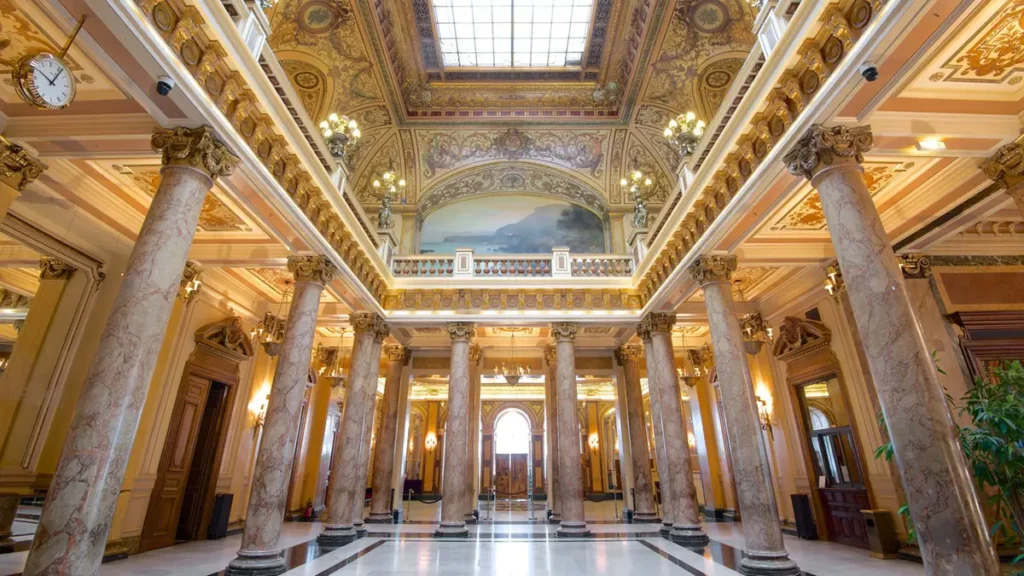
(512, 33)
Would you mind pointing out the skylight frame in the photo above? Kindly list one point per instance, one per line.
(548, 35)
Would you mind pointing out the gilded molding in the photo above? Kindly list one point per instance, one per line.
(367, 322)
(54, 269)
(311, 269)
(655, 323)
(538, 299)
(914, 265)
(9, 299)
(18, 168)
(1006, 166)
(629, 353)
(397, 353)
(708, 269)
(821, 147)
(195, 148)
(564, 331)
(461, 331)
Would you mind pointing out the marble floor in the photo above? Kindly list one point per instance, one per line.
(509, 544)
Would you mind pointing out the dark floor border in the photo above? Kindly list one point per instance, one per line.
(352, 558)
(514, 536)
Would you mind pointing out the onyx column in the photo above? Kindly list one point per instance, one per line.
(951, 528)
(473, 444)
(453, 482)
(73, 528)
(345, 487)
(551, 418)
(646, 509)
(570, 473)
(366, 437)
(764, 551)
(384, 450)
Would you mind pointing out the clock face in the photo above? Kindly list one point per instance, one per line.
(47, 82)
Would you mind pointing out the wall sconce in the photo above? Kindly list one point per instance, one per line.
(834, 284)
(431, 441)
(258, 409)
(593, 441)
(764, 409)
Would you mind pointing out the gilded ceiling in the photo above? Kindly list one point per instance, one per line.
(378, 62)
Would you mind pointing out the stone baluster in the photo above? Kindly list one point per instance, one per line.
(1006, 167)
(80, 502)
(453, 482)
(366, 436)
(384, 450)
(764, 551)
(951, 528)
(551, 418)
(345, 487)
(570, 475)
(635, 433)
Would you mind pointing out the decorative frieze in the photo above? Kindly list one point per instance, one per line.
(461, 331)
(18, 168)
(194, 148)
(821, 147)
(311, 269)
(54, 269)
(655, 323)
(564, 331)
(714, 268)
(539, 299)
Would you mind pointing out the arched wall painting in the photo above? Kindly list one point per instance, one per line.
(521, 224)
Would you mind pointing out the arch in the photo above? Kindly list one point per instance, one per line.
(489, 420)
(512, 178)
(512, 432)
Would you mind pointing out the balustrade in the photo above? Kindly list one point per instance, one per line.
(512, 266)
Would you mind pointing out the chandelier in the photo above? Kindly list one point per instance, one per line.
(385, 187)
(333, 363)
(269, 332)
(637, 186)
(687, 375)
(511, 371)
(684, 131)
(340, 132)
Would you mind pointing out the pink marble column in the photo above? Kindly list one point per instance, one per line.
(668, 504)
(79, 506)
(951, 528)
(384, 450)
(764, 551)
(453, 481)
(570, 473)
(366, 437)
(656, 332)
(551, 418)
(346, 486)
(646, 508)
(473, 445)
(260, 550)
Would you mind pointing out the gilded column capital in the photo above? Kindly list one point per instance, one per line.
(1006, 166)
(914, 265)
(54, 269)
(708, 269)
(564, 331)
(311, 269)
(821, 147)
(18, 168)
(655, 323)
(367, 322)
(397, 353)
(194, 148)
(475, 353)
(461, 331)
(9, 299)
(629, 353)
(550, 355)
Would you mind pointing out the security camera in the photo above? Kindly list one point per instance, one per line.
(869, 71)
(164, 85)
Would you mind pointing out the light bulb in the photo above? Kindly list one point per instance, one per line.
(352, 124)
(333, 117)
(623, 182)
(672, 123)
(376, 183)
(402, 182)
(668, 132)
(647, 182)
(637, 175)
(690, 116)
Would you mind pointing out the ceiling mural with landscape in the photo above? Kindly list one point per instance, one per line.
(512, 225)
(394, 66)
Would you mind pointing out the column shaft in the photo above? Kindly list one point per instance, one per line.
(570, 473)
(668, 505)
(273, 471)
(951, 528)
(473, 443)
(635, 433)
(453, 481)
(551, 415)
(384, 451)
(366, 444)
(764, 551)
(76, 518)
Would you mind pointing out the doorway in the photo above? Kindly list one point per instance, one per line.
(513, 475)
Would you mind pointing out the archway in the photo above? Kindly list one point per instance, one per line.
(513, 475)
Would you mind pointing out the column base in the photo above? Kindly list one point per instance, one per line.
(451, 530)
(555, 518)
(257, 563)
(646, 518)
(470, 518)
(570, 529)
(379, 518)
(689, 536)
(768, 564)
(359, 528)
(335, 536)
(666, 529)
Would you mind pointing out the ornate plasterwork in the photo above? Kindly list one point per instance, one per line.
(629, 353)
(1006, 166)
(194, 148)
(228, 335)
(11, 299)
(655, 323)
(18, 168)
(367, 322)
(992, 54)
(799, 336)
(822, 146)
(54, 269)
(316, 269)
(707, 269)
(564, 331)
(215, 215)
(397, 353)
(461, 331)
(511, 299)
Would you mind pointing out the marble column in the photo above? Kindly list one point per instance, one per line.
(453, 482)
(656, 332)
(366, 437)
(951, 528)
(18, 168)
(551, 418)
(79, 506)
(635, 433)
(260, 552)
(384, 450)
(570, 473)
(668, 505)
(764, 551)
(8, 511)
(1006, 167)
(473, 445)
(346, 487)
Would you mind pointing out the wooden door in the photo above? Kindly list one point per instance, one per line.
(842, 515)
(202, 477)
(160, 527)
(510, 475)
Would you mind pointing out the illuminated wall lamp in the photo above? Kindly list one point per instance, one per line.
(764, 414)
(593, 441)
(430, 442)
(930, 145)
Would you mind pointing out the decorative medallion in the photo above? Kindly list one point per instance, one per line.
(709, 16)
(323, 16)
(512, 144)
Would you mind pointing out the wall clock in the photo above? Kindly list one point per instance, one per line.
(44, 80)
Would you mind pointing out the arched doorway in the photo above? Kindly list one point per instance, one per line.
(513, 474)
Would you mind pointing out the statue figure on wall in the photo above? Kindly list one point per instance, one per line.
(639, 211)
(384, 219)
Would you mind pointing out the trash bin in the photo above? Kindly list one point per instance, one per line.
(219, 518)
(805, 527)
(882, 540)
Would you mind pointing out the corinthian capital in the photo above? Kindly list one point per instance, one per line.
(17, 167)
(655, 323)
(54, 269)
(195, 148)
(1007, 165)
(368, 322)
(397, 353)
(708, 269)
(475, 353)
(311, 269)
(822, 147)
(460, 331)
(629, 353)
(564, 331)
